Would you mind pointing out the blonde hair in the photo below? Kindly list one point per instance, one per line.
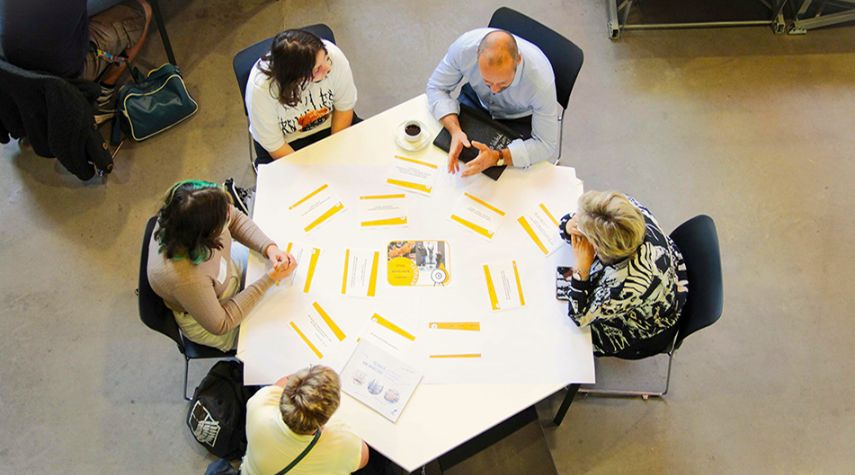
(612, 223)
(309, 399)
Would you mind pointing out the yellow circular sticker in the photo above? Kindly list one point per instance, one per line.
(402, 272)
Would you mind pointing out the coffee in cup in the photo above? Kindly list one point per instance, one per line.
(412, 131)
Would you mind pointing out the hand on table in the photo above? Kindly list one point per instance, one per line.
(486, 158)
(458, 141)
(584, 252)
(282, 263)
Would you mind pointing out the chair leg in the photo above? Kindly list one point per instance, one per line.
(633, 393)
(560, 135)
(565, 405)
(186, 370)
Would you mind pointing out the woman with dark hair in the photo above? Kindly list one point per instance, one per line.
(301, 91)
(192, 265)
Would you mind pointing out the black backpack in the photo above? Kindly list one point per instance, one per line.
(217, 415)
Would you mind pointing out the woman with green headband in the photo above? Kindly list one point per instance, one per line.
(191, 265)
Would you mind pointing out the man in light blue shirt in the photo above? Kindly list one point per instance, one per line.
(513, 81)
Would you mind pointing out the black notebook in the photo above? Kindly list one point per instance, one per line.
(481, 127)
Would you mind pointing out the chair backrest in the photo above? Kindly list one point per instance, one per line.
(698, 242)
(153, 312)
(566, 58)
(245, 59)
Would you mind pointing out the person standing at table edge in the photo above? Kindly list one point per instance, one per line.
(299, 92)
(630, 282)
(512, 80)
(282, 419)
(193, 266)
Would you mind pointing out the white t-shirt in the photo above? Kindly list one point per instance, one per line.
(273, 124)
(271, 445)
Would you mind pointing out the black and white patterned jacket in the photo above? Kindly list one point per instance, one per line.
(632, 300)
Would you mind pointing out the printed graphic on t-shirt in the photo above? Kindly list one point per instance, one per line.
(317, 106)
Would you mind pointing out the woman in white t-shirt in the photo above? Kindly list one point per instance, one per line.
(282, 419)
(301, 91)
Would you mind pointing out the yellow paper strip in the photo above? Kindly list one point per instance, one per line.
(372, 280)
(288, 249)
(303, 199)
(532, 235)
(478, 229)
(335, 328)
(418, 162)
(385, 222)
(519, 284)
(394, 328)
(465, 326)
(335, 209)
(484, 203)
(551, 217)
(460, 355)
(344, 277)
(307, 342)
(410, 185)
(382, 197)
(313, 262)
(494, 301)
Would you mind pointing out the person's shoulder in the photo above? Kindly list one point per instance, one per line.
(268, 395)
(333, 50)
(258, 79)
(338, 434)
(471, 39)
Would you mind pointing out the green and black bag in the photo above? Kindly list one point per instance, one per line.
(152, 104)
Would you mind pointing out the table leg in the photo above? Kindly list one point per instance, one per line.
(164, 36)
(565, 405)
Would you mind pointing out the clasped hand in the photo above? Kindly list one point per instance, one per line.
(282, 263)
(486, 158)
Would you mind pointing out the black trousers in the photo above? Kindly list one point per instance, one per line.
(263, 157)
(468, 97)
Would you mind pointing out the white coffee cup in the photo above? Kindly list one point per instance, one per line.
(413, 131)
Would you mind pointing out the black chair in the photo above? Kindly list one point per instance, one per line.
(157, 316)
(565, 57)
(698, 242)
(245, 59)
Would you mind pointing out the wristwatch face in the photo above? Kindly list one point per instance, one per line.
(501, 162)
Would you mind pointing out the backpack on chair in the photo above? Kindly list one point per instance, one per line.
(217, 415)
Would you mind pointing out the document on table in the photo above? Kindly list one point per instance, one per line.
(318, 330)
(316, 207)
(413, 175)
(307, 262)
(382, 211)
(504, 286)
(477, 215)
(359, 278)
(388, 335)
(379, 380)
(453, 341)
(541, 227)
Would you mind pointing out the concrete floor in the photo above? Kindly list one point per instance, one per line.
(753, 129)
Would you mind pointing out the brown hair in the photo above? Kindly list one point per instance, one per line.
(309, 399)
(191, 219)
(290, 63)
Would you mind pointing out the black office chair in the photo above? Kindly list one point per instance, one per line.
(245, 59)
(698, 242)
(565, 57)
(157, 316)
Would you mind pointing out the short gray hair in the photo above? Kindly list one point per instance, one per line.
(500, 47)
(309, 399)
(612, 223)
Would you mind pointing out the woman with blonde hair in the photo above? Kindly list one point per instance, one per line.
(629, 283)
(192, 264)
(286, 426)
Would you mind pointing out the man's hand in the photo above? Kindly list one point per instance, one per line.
(584, 252)
(486, 158)
(458, 141)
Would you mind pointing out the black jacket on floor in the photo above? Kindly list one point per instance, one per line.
(55, 116)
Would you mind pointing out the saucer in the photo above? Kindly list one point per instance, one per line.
(401, 139)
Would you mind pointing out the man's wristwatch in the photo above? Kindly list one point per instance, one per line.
(501, 161)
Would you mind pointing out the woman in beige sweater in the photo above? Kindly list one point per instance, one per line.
(190, 264)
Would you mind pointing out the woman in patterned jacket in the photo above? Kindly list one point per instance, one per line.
(629, 283)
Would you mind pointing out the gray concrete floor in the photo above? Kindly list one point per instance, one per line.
(753, 129)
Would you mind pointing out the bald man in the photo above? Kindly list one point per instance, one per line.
(509, 78)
